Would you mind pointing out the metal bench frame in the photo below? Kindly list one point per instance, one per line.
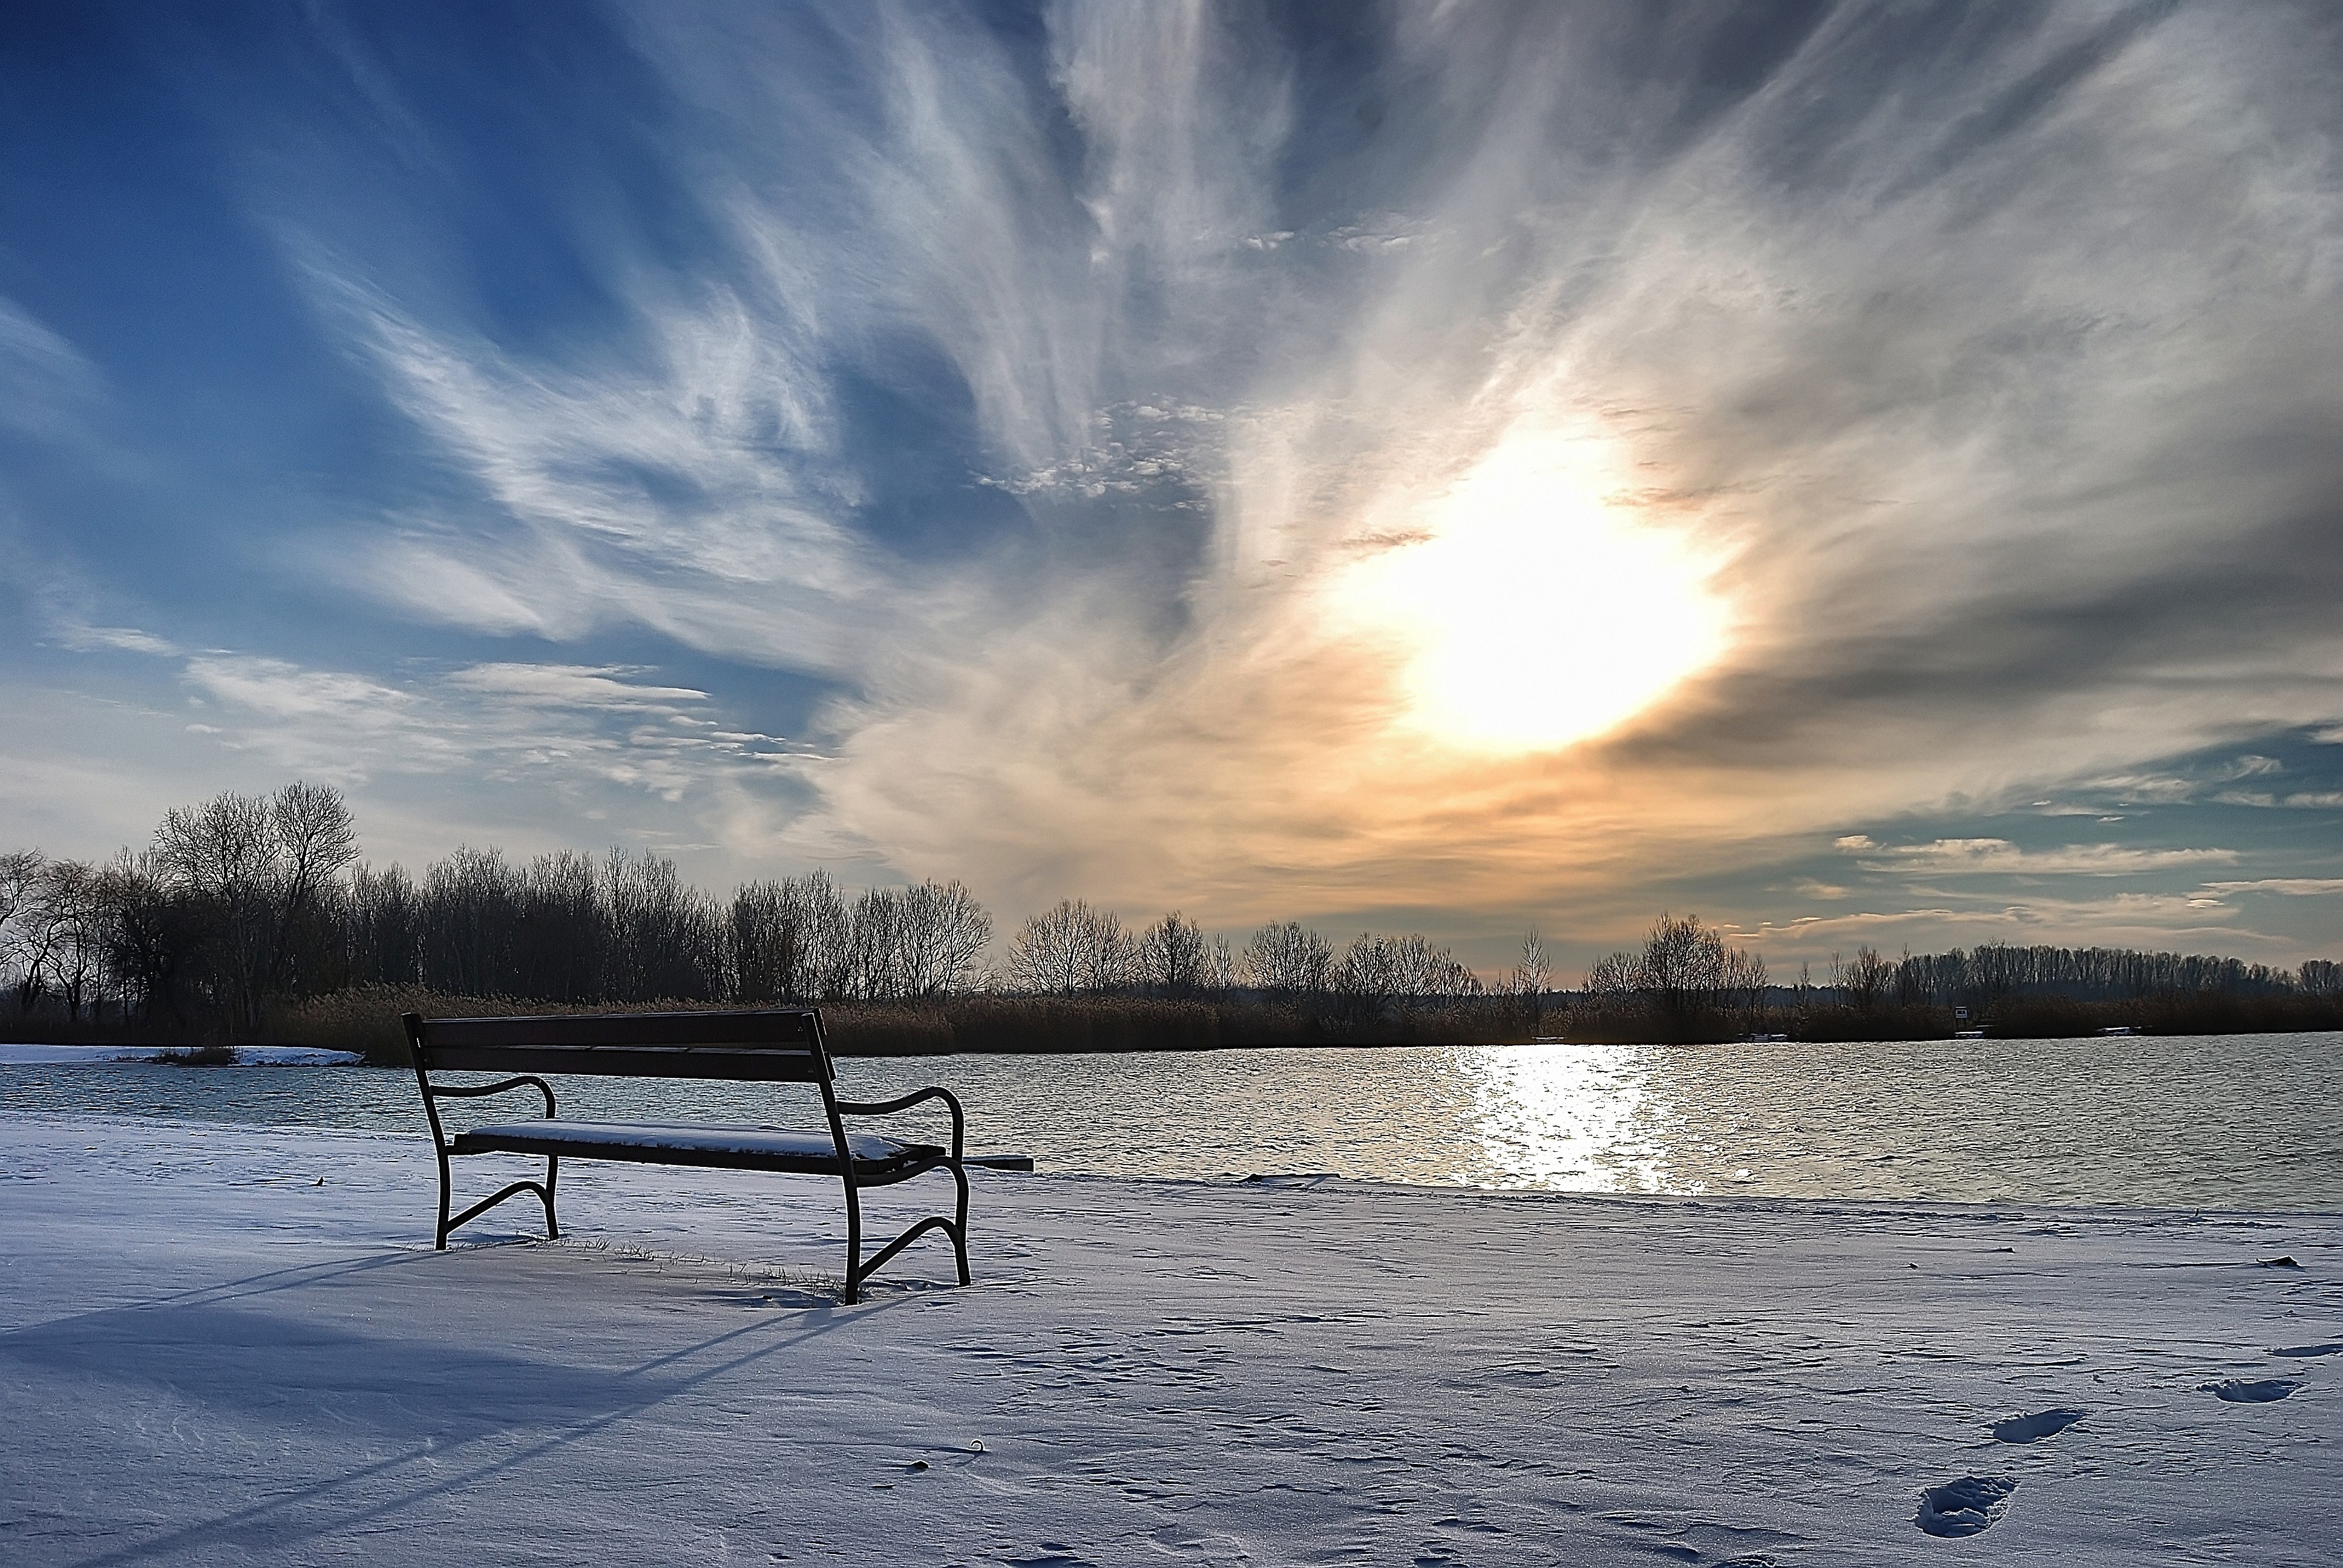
(771, 1045)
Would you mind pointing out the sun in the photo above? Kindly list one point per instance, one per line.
(1532, 613)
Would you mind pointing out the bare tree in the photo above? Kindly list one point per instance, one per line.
(666, 936)
(153, 936)
(1221, 971)
(23, 935)
(876, 940)
(1864, 983)
(563, 932)
(945, 932)
(1385, 974)
(1611, 982)
(764, 944)
(1175, 958)
(1291, 959)
(790, 941)
(1530, 980)
(385, 931)
(471, 906)
(1686, 980)
(259, 865)
(1071, 949)
(73, 944)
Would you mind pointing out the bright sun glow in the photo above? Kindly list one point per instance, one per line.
(1538, 615)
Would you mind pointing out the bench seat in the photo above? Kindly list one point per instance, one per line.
(875, 1158)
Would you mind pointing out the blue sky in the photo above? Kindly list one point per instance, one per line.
(1862, 474)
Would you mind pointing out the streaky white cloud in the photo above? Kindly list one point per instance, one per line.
(687, 486)
(83, 638)
(47, 385)
(2292, 887)
(1999, 856)
(564, 728)
(2151, 921)
(573, 686)
(2299, 799)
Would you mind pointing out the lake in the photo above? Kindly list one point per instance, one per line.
(2231, 1122)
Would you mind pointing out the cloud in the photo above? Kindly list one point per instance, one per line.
(2300, 799)
(121, 638)
(46, 385)
(2291, 887)
(2150, 920)
(556, 726)
(1999, 856)
(1975, 365)
(573, 686)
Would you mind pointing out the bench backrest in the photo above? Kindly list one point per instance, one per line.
(763, 1045)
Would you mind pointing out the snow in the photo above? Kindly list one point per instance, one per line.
(244, 1055)
(692, 1136)
(231, 1346)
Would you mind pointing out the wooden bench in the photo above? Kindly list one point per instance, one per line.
(771, 1045)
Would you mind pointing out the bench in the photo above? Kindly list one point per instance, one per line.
(771, 1045)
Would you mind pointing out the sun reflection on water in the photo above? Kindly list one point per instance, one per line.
(1584, 1118)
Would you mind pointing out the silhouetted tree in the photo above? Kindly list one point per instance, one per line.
(1530, 980)
(1072, 949)
(258, 866)
(1290, 959)
(1175, 958)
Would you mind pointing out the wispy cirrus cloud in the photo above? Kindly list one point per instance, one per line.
(47, 386)
(561, 725)
(1999, 856)
(1147, 429)
(1879, 339)
(82, 638)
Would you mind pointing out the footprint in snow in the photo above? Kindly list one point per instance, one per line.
(2027, 1427)
(1965, 1507)
(2239, 1390)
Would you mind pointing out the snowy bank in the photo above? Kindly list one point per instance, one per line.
(234, 1345)
(240, 1055)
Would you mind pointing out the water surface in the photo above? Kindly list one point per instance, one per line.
(2246, 1122)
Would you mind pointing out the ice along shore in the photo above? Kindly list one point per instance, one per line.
(234, 1345)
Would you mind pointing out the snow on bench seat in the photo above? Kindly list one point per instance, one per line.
(665, 1141)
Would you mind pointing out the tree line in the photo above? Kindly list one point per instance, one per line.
(1687, 982)
(245, 900)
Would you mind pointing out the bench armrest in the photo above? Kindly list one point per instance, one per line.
(474, 1090)
(887, 1107)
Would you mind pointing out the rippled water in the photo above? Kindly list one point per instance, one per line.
(2245, 1121)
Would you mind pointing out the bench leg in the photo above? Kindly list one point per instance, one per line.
(960, 1223)
(854, 1270)
(544, 1191)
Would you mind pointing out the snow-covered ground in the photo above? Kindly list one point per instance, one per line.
(231, 1346)
(103, 1055)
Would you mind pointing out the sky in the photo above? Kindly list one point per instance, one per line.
(1858, 473)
